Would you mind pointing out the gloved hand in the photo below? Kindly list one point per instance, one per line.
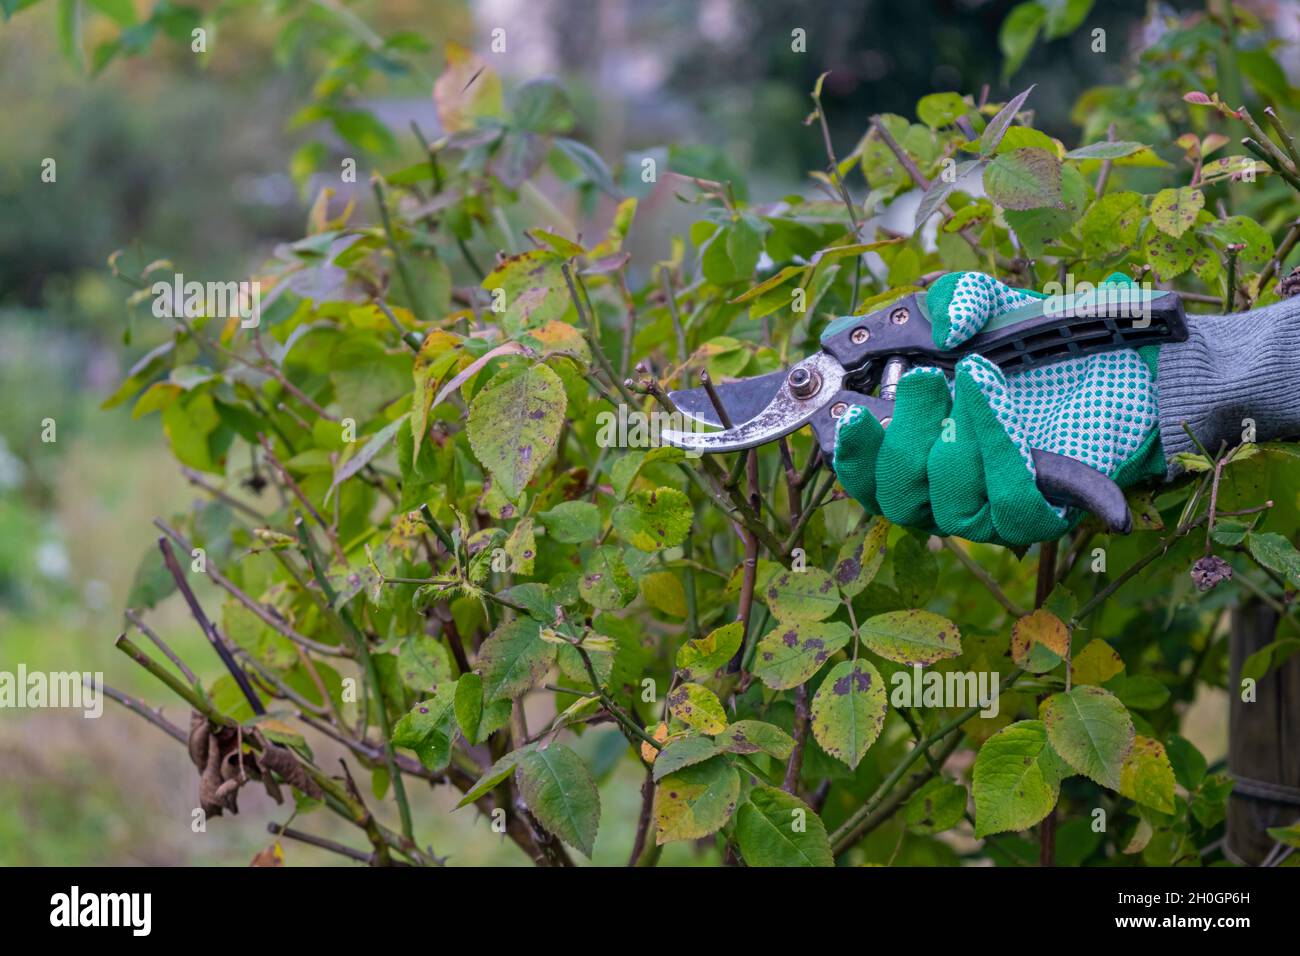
(955, 459)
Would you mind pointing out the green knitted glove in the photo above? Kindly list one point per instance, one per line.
(956, 459)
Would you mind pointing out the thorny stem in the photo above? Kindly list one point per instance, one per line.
(362, 652)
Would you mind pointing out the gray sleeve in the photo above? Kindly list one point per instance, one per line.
(1232, 368)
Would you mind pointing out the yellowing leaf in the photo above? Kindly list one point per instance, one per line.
(698, 707)
(695, 801)
(911, 637)
(848, 710)
(807, 595)
(1039, 641)
(792, 652)
(1147, 776)
(654, 520)
(514, 424)
(1095, 664)
(466, 90)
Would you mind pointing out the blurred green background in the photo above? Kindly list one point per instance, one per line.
(188, 157)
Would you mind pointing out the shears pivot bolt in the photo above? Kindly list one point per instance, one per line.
(803, 382)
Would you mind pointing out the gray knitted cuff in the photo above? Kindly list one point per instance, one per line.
(1234, 371)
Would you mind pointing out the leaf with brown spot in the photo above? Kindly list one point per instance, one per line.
(791, 653)
(1039, 641)
(1147, 777)
(698, 708)
(807, 595)
(514, 423)
(911, 637)
(695, 801)
(860, 558)
(848, 710)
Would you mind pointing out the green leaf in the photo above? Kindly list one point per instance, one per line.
(698, 708)
(792, 652)
(848, 710)
(557, 787)
(1147, 776)
(1017, 779)
(430, 729)
(941, 109)
(606, 583)
(1026, 178)
(152, 581)
(1287, 836)
(699, 659)
(753, 736)
(572, 522)
(588, 163)
(1275, 552)
(542, 106)
(860, 558)
(685, 752)
(654, 520)
(1106, 150)
(1189, 764)
(664, 592)
(1038, 227)
(807, 595)
(1111, 224)
(491, 779)
(468, 705)
(1244, 231)
(423, 664)
(1065, 16)
(1170, 257)
(998, 125)
(514, 423)
(937, 806)
(695, 801)
(513, 659)
(774, 828)
(1174, 211)
(1017, 34)
(911, 637)
(1092, 731)
(1139, 692)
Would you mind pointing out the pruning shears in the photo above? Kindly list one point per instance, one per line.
(862, 354)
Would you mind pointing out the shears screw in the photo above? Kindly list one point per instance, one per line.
(899, 316)
(803, 382)
(838, 409)
(859, 336)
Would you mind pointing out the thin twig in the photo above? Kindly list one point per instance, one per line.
(208, 628)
